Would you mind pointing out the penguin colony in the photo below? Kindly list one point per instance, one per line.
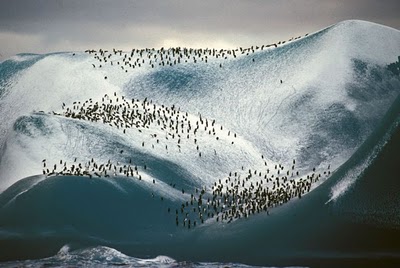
(117, 111)
(92, 169)
(135, 115)
(240, 194)
(153, 58)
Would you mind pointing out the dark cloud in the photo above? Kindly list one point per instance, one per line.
(49, 25)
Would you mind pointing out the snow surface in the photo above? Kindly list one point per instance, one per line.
(281, 121)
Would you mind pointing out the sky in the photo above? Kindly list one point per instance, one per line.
(44, 26)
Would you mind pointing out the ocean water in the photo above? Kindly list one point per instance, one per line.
(326, 103)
